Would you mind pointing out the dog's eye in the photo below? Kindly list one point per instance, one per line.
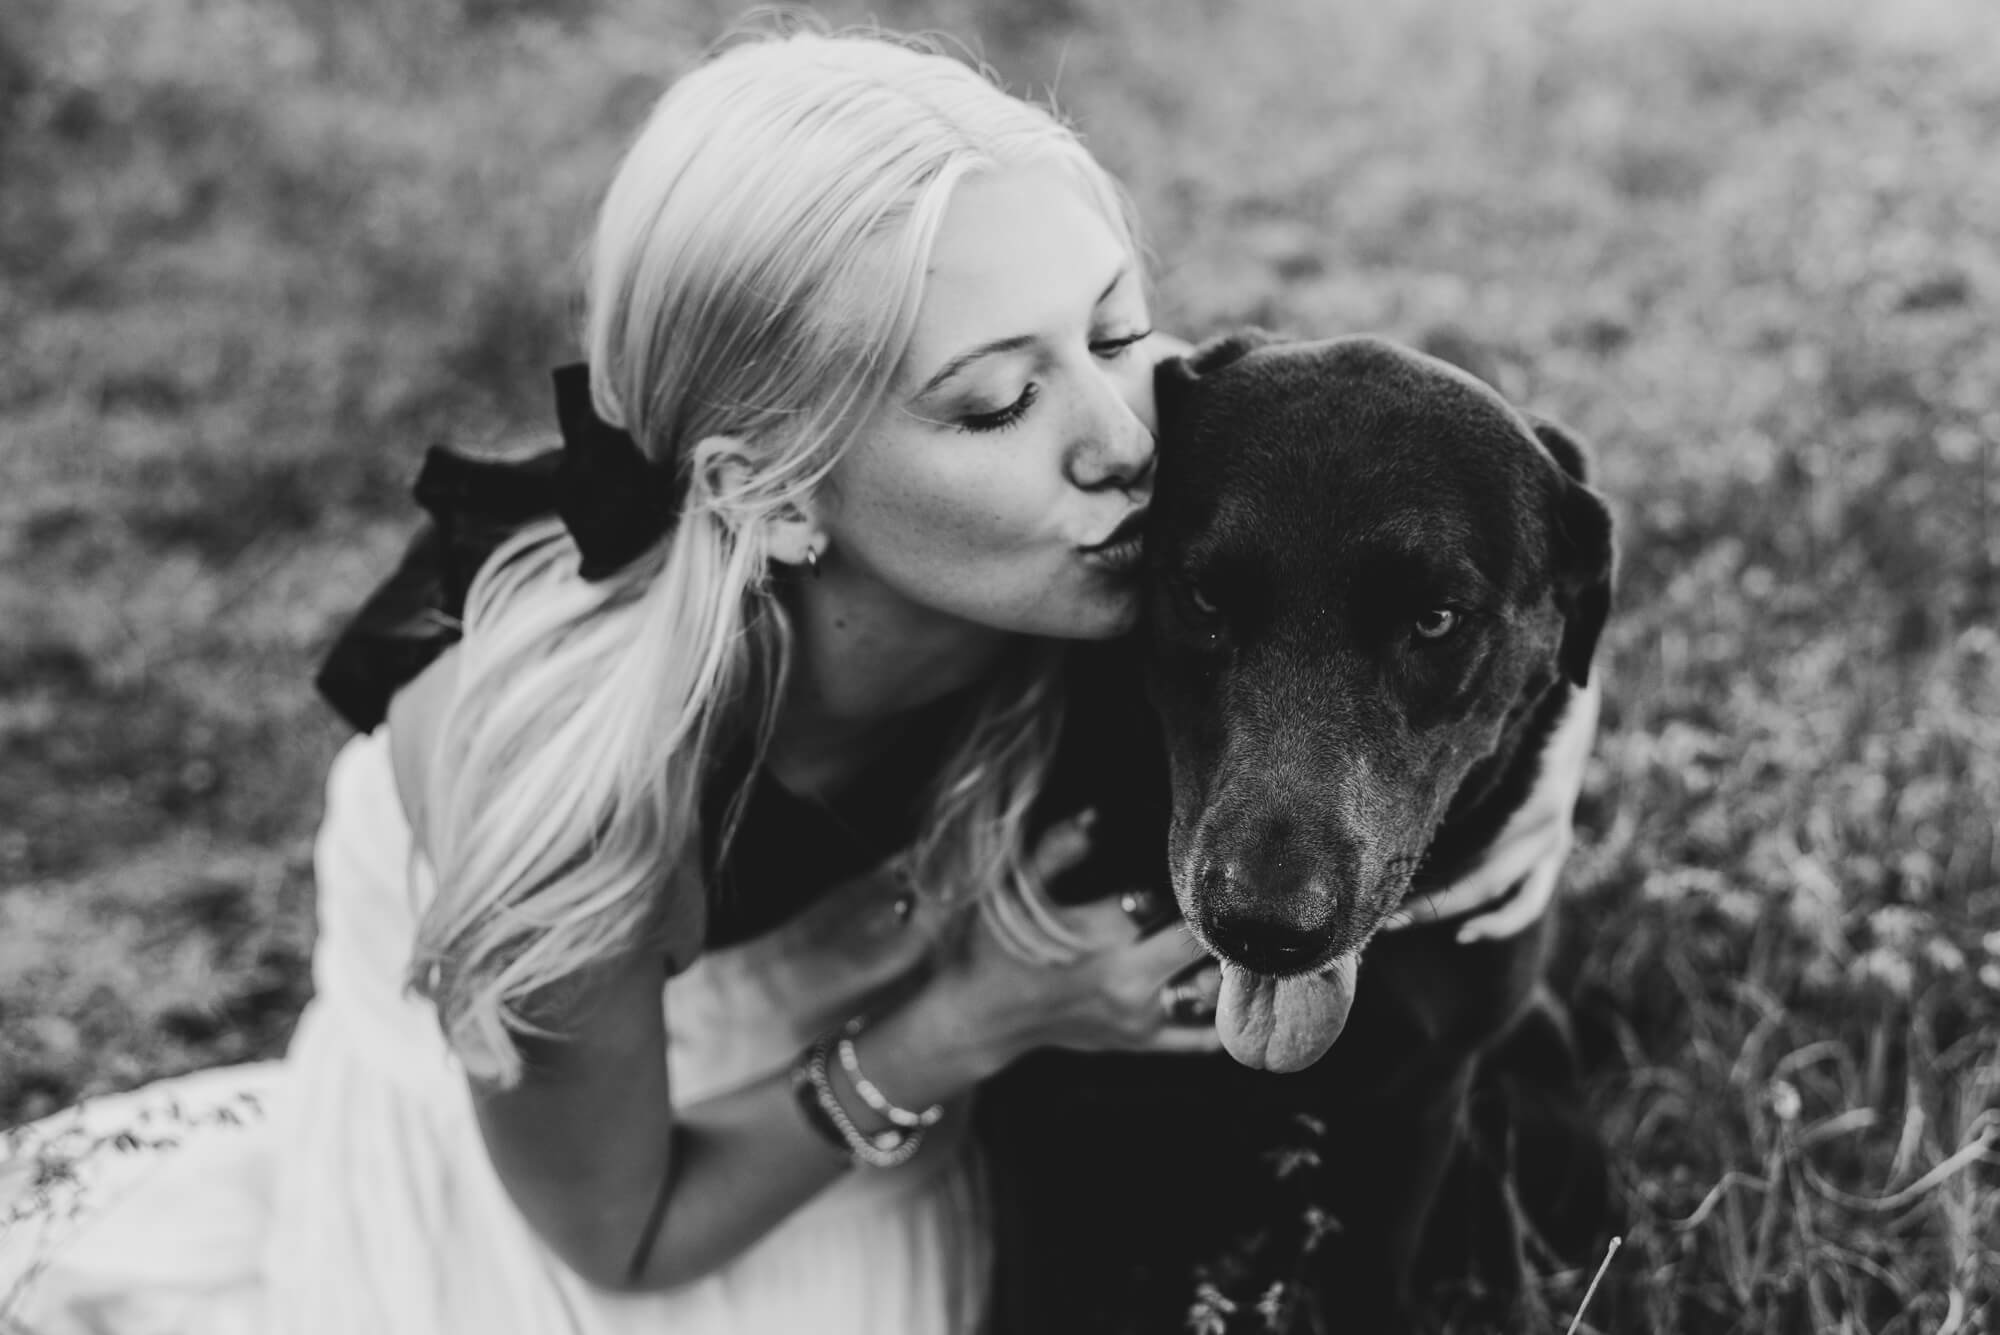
(1436, 623)
(1198, 610)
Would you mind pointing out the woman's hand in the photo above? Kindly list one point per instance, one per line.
(1127, 990)
(870, 935)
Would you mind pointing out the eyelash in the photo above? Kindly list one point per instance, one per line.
(1005, 417)
(1111, 349)
(1107, 349)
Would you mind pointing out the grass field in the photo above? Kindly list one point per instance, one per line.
(255, 254)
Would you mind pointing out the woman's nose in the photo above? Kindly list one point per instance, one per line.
(1113, 443)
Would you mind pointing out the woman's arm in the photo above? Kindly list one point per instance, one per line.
(583, 1141)
(745, 1160)
(587, 1144)
(589, 1139)
(590, 1145)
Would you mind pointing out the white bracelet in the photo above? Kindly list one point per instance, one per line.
(884, 1149)
(880, 1103)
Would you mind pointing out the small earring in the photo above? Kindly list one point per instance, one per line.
(812, 561)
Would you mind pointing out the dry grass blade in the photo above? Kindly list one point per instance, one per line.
(1610, 1251)
(1978, 1149)
(1840, 1124)
(1733, 1178)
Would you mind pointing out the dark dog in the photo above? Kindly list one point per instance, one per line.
(1376, 591)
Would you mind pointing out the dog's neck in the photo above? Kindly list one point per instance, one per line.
(1495, 787)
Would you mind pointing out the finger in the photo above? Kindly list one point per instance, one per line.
(874, 904)
(1149, 910)
(1517, 853)
(1063, 845)
(1109, 921)
(1169, 951)
(1202, 983)
(1454, 899)
(1190, 1001)
(1191, 1040)
(1105, 923)
(1518, 913)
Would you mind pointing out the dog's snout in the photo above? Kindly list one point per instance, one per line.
(1268, 946)
(1264, 917)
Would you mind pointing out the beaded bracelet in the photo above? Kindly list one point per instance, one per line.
(815, 1116)
(885, 1149)
(871, 1094)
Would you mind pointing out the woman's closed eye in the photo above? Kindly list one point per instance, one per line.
(1111, 349)
(1001, 418)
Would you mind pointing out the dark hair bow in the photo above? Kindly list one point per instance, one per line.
(613, 500)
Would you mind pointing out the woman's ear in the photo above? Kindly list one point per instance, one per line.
(794, 537)
(727, 481)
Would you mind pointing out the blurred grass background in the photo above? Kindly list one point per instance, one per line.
(256, 254)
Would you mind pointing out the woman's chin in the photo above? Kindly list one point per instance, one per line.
(1101, 615)
(1053, 604)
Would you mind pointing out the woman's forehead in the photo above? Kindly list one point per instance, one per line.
(1020, 251)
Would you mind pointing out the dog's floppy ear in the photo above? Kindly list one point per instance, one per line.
(1571, 454)
(1174, 377)
(1585, 558)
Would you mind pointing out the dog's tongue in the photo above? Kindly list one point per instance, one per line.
(1284, 1024)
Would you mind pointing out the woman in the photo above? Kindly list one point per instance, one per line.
(866, 428)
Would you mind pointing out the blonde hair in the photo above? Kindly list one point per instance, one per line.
(757, 268)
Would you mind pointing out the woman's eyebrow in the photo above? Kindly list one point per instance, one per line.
(1012, 343)
(1124, 268)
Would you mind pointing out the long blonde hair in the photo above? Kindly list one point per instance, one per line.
(757, 268)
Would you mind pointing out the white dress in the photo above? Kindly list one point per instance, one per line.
(345, 1190)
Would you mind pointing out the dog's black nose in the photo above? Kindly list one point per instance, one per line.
(1262, 915)
(1263, 945)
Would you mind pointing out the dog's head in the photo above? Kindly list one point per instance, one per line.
(1366, 565)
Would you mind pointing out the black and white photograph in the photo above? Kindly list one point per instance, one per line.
(1000, 667)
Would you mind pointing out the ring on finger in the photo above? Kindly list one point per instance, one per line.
(1186, 1003)
(904, 905)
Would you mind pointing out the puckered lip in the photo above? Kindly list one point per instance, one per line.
(1128, 527)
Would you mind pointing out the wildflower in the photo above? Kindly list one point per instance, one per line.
(1898, 926)
(1274, 1306)
(1289, 1159)
(1211, 1311)
(1887, 969)
(1943, 956)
